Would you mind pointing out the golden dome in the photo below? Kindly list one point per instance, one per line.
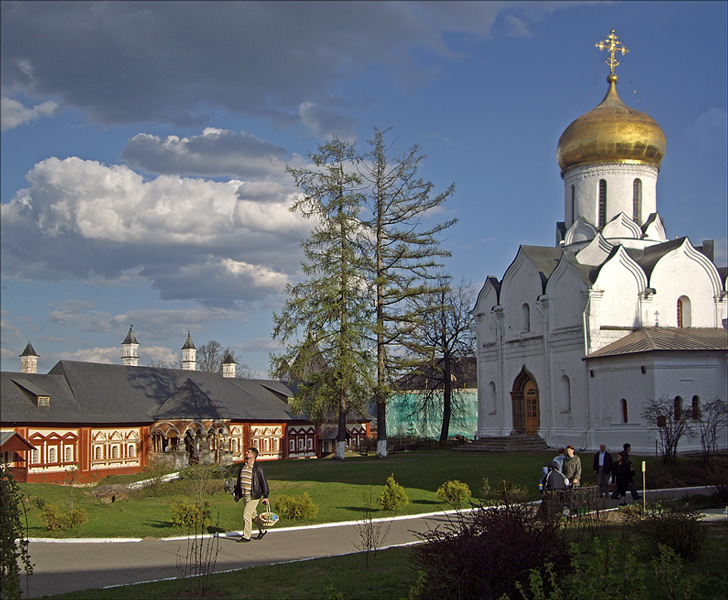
(612, 133)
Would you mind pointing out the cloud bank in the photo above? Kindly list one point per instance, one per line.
(221, 243)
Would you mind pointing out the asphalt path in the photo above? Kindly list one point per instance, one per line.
(71, 565)
(77, 564)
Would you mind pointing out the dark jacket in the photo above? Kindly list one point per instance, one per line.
(623, 474)
(555, 481)
(259, 487)
(607, 462)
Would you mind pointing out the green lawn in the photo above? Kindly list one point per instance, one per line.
(341, 489)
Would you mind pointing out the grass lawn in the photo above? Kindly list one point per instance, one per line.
(341, 489)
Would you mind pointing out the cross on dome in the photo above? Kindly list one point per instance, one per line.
(613, 46)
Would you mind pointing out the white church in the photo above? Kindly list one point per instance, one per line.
(575, 338)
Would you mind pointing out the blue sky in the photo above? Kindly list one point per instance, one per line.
(144, 146)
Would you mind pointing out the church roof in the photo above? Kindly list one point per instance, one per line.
(544, 257)
(82, 392)
(651, 339)
(648, 257)
(611, 132)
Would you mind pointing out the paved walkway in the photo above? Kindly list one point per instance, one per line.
(78, 564)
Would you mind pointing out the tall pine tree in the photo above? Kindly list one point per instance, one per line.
(406, 255)
(331, 303)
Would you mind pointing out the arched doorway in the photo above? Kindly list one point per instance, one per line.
(524, 400)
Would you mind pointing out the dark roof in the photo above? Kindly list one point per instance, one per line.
(130, 338)
(650, 256)
(546, 258)
(29, 351)
(82, 392)
(650, 339)
(189, 345)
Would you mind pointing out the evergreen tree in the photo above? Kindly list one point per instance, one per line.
(405, 256)
(331, 302)
(13, 537)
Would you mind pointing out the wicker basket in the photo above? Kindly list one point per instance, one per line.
(269, 518)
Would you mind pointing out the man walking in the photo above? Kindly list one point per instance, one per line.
(603, 469)
(251, 486)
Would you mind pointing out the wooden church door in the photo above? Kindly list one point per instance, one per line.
(530, 395)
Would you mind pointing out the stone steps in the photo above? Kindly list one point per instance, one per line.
(507, 443)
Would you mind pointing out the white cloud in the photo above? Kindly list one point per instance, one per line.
(15, 114)
(192, 238)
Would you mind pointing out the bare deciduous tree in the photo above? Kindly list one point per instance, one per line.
(712, 420)
(672, 423)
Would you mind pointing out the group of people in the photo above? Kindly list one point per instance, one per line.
(564, 472)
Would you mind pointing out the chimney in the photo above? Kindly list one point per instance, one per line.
(130, 357)
(228, 366)
(29, 360)
(708, 249)
(189, 355)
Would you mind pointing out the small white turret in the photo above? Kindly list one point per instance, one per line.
(189, 355)
(29, 360)
(228, 366)
(130, 357)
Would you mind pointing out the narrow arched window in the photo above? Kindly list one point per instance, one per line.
(696, 408)
(525, 318)
(637, 201)
(573, 204)
(677, 408)
(679, 312)
(683, 311)
(602, 203)
(68, 454)
(625, 413)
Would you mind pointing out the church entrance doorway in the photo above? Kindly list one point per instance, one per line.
(524, 399)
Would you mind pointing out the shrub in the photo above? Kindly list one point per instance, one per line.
(483, 555)
(507, 493)
(715, 475)
(393, 496)
(671, 525)
(485, 492)
(454, 493)
(296, 507)
(55, 520)
(192, 515)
